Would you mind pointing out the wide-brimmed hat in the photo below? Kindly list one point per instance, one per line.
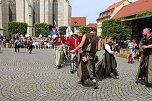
(76, 32)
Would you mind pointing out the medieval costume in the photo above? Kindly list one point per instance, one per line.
(73, 43)
(107, 66)
(86, 69)
(145, 67)
(58, 48)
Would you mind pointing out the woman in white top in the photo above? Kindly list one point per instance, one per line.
(107, 66)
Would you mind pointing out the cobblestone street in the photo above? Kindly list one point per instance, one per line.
(33, 77)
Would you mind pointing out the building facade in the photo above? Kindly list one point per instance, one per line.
(34, 11)
(109, 13)
(77, 22)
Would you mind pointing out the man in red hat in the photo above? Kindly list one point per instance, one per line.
(73, 43)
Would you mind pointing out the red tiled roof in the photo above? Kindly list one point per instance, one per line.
(114, 5)
(111, 9)
(92, 25)
(78, 21)
(134, 8)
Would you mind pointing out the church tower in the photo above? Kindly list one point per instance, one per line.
(34, 11)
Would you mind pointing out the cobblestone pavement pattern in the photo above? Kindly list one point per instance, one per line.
(33, 77)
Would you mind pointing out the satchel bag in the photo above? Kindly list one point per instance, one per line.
(85, 58)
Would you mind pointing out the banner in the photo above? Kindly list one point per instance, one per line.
(69, 32)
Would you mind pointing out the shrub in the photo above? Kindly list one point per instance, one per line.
(84, 29)
(146, 13)
(41, 28)
(114, 27)
(17, 27)
(62, 29)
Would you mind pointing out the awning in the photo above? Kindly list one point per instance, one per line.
(145, 21)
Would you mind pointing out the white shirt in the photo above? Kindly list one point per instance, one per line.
(130, 45)
(108, 48)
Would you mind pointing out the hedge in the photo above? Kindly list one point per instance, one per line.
(41, 28)
(146, 13)
(84, 29)
(62, 29)
(17, 27)
(114, 27)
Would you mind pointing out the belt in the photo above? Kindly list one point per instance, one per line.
(88, 52)
(58, 46)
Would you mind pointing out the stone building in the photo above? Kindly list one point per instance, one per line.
(33, 11)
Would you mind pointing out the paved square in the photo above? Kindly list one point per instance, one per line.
(33, 77)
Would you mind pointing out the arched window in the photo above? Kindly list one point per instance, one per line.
(12, 10)
(36, 11)
(55, 12)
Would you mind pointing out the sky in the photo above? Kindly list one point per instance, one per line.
(90, 8)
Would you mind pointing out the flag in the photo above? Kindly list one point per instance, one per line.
(54, 29)
(69, 32)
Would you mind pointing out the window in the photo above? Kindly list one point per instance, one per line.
(36, 11)
(109, 12)
(104, 14)
(12, 10)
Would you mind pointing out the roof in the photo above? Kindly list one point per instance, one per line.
(78, 21)
(92, 25)
(111, 7)
(115, 5)
(145, 21)
(134, 8)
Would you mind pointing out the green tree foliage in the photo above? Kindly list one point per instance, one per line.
(115, 27)
(17, 27)
(84, 29)
(41, 28)
(146, 13)
(62, 29)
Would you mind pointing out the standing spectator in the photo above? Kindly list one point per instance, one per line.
(134, 46)
(39, 43)
(17, 44)
(11, 43)
(4, 42)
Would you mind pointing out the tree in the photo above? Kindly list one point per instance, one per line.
(62, 29)
(146, 13)
(84, 29)
(17, 27)
(114, 27)
(41, 28)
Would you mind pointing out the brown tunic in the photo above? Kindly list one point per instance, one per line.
(86, 70)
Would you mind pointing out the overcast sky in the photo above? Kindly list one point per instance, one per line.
(90, 8)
